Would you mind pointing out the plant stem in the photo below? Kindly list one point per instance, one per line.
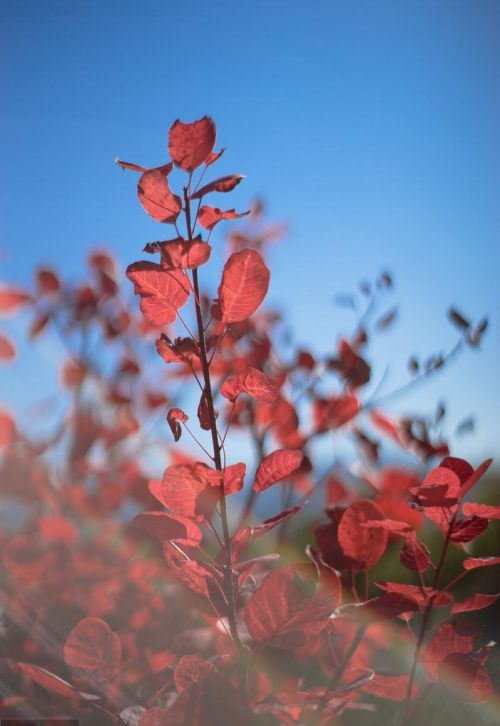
(339, 670)
(425, 621)
(228, 569)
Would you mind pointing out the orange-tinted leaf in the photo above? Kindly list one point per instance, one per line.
(276, 466)
(92, 646)
(156, 196)
(174, 416)
(363, 545)
(162, 292)
(166, 526)
(189, 144)
(48, 680)
(244, 285)
(7, 349)
(253, 382)
(222, 184)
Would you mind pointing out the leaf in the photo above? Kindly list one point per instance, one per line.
(47, 281)
(190, 670)
(183, 485)
(203, 412)
(391, 687)
(472, 563)
(465, 530)
(276, 466)
(244, 285)
(253, 382)
(465, 677)
(214, 156)
(156, 197)
(475, 477)
(284, 611)
(174, 416)
(48, 680)
(393, 526)
(156, 716)
(162, 292)
(130, 166)
(414, 555)
(478, 601)
(363, 545)
(383, 607)
(7, 429)
(183, 254)
(208, 217)
(7, 349)
(458, 320)
(417, 593)
(189, 144)
(486, 511)
(167, 526)
(92, 646)
(222, 184)
(12, 299)
(233, 477)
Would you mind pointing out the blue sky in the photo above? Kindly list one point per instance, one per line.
(370, 127)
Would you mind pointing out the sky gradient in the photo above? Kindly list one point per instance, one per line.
(371, 128)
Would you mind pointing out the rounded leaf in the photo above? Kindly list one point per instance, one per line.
(189, 144)
(362, 544)
(245, 281)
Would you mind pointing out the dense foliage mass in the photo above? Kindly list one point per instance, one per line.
(198, 610)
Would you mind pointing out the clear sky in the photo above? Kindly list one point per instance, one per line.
(371, 127)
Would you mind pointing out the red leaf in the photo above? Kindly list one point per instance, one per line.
(276, 466)
(182, 486)
(214, 156)
(479, 601)
(465, 677)
(208, 217)
(7, 429)
(465, 530)
(472, 563)
(166, 526)
(383, 607)
(203, 412)
(460, 467)
(191, 670)
(394, 688)
(459, 637)
(233, 477)
(156, 197)
(284, 612)
(48, 680)
(334, 412)
(415, 592)
(390, 525)
(364, 545)
(475, 477)
(181, 253)
(485, 511)
(253, 382)
(47, 281)
(245, 281)
(414, 555)
(189, 144)
(7, 349)
(130, 166)
(93, 647)
(162, 292)
(174, 416)
(12, 299)
(222, 184)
